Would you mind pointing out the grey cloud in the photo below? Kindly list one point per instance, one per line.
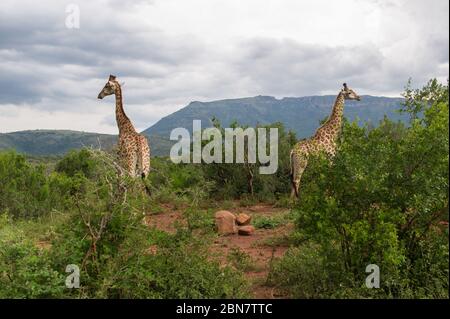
(129, 54)
(41, 40)
(14, 92)
(282, 67)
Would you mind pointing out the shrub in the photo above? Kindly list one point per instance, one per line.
(24, 191)
(234, 181)
(302, 273)
(180, 268)
(77, 162)
(25, 270)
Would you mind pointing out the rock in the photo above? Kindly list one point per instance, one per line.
(243, 219)
(225, 222)
(246, 230)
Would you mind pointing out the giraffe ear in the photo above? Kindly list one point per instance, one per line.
(112, 77)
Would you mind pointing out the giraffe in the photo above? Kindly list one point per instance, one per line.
(324, 140)
(134, 152)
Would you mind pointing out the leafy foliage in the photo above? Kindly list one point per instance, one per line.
(103, 234)
(238, 180)
(25, 190)
(77, 162)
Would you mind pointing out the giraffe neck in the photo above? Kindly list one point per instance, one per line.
(123, 122)
(334, 123)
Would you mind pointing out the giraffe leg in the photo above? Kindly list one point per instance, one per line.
(293, 192)
(294, 188)
(144, 161)
(131, 160)
(298, 165)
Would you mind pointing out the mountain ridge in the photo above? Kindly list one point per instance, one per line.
(301, 114)
(44, 142)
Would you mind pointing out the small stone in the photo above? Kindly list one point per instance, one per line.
(246, 230)
(225, 222)
(243, 219)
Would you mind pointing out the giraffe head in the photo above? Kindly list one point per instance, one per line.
(109, 88)
(349, 94)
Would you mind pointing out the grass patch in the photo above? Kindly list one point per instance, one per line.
(241, 260)
(271, 222)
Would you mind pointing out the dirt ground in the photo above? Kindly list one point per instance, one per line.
(260, 246)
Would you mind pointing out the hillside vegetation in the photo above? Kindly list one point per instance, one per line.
(59, 142)
(298, 114)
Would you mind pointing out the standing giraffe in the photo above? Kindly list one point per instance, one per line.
(134, 151)
(324, 140)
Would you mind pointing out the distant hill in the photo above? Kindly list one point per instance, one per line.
(301, 114)
(55, 142)
(59, 142)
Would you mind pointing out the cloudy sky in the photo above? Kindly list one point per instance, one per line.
(171, 52)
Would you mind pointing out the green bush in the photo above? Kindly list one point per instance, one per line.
(24, 191)
(77, 162)
(180, 268)
(234, 181)
(302, 273)
(25, 270)
(28, 191)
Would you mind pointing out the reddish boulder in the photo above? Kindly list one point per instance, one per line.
(246, 230)
(225, 222)
(243, 219)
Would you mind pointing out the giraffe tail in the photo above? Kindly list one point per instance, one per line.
(292, 175)
(291, 165)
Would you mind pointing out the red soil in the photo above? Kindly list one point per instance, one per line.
(255, 246)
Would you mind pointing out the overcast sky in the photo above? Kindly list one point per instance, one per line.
(171, 52)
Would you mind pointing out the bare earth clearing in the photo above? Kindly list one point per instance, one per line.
(261, 247)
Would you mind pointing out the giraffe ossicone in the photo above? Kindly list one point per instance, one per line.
(324, 140)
